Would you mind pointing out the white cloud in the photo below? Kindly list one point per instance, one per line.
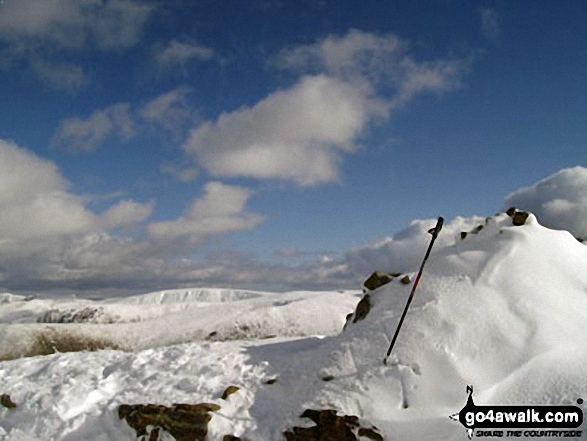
(220, 210)
(125, 212)
(558, 201)
(76, 134)
(404, 251)
(302, 133)
(74, 23)
(59, 75)
(39, 31)
(170, 111)
(178, 53)
(489, 23)
(375, 61)
(35, 201)
(296, 134)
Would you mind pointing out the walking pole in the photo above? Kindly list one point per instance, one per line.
(434, 231)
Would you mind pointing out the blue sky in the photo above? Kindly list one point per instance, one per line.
(214, 143)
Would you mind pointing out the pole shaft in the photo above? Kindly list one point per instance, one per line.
(434, 236)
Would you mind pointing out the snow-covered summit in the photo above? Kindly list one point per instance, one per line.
(503, 309)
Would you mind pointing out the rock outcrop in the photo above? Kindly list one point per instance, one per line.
(377, 279)
(229, 391)
(185, 422)
(6, 401)
(330, 426)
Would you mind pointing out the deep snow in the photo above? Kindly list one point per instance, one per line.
(504, 310)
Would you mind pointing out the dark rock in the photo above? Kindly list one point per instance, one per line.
(154, 435)
(376, 280)
(520, 218)
(6, 401)
(229, 391)
(511, 211)
(363, 308)
(270, 381)
(329, 427)
(405, 280)
(477, 229)
(185, 422)
(230, 438)
(328, 378)
(463, 234)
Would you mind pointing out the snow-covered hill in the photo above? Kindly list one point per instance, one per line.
(504, 309)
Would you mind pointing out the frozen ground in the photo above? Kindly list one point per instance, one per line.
(504, 310)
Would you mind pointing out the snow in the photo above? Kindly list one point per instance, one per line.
(504, 310)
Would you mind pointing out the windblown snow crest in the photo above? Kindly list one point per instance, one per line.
(504, 308)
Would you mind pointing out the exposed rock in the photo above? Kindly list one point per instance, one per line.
(520, 218)
(329, 427)
(477, 229)
(463, 234)
(270, 381)
(405, 280)
(328, 378)
(6, 401)
(511, 211)
(230, 438)
(185, 422)
(229, 391)
(376, 280)
(363, 308)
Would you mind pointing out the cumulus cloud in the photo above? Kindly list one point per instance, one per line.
(302, 133)
(375, 61)
(35, 200)
(558, 201)
(38, 31)
(63, 76)
(179, 53)
(297, 134)
(50, 239)
(125, 212)
(171, 111)
(489, 23)
(77, 134)
(220, 210)
(74, 23)
(404, 251)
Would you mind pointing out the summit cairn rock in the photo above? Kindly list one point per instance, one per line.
(330, 426)
(185, 422)
(6, 401)
(377, 279)
(518, 217)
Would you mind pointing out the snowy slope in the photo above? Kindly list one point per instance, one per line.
(504, 310)
(176, 316)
